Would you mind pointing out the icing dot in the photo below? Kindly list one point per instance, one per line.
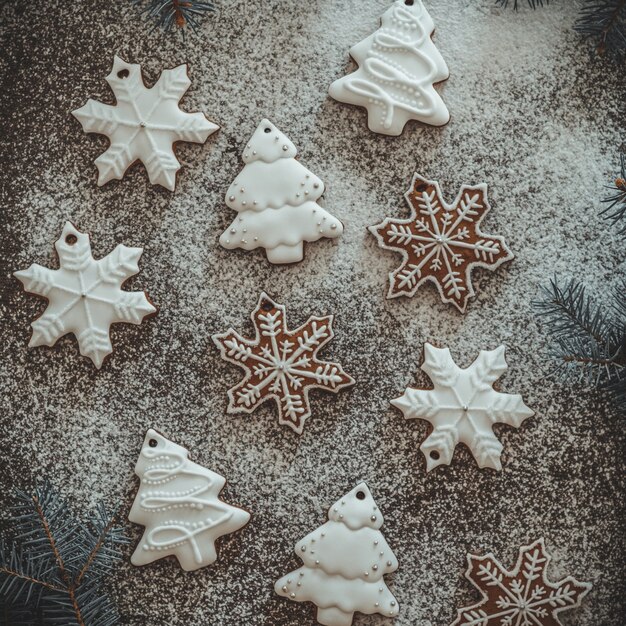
(333, 226)
(285, 148)
(284, 588)
(373, 518)
(303, 548)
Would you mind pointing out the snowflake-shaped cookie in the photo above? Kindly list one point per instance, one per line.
(84, 295)
(463, 406)
(281, 364)
(144, 124)
(440, 242)
(522, 597)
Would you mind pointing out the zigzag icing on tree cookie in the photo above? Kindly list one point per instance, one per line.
(398, 66)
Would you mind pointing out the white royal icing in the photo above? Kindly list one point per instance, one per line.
(144, 123)
(84, 295)
(344, 563)
(398, 66)
(276, 198)
(178, 503)
(463, 406)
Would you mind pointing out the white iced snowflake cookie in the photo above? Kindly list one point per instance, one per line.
(144, 124)
(178, 503)
(276, 198)
(463, 406)
(398, 66)
(344, 563)
(85, 296)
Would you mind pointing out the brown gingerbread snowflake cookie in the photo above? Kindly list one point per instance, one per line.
(521, 597)
(441, 242)
(281, 364)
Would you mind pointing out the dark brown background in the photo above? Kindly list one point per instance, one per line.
(534, 114)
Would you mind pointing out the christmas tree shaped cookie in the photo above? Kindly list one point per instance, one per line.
(521, 597)
(463, 406)
(85, 296)
(398, 66)
(276, 198)
(344, 563)
(178, 503)
(144, 124)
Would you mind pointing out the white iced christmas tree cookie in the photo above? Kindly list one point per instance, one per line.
(463, 406)
(344, 563)
(144, 124)
(178, 503)
(276, 198)
(85, 296)
(398, 66)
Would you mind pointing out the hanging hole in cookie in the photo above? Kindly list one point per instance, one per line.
(123, 74)
(153, 443)
(360, 495)
(408, 3)
(70, 240)
(267, 130)
(267, 306)
(434, 455)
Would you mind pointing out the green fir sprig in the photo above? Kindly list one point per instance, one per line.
(169, 14)
(533, 4)
(615, 210)
(588, 339)
(53, 568)
(605, 22)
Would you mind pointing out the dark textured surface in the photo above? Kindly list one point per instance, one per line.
(534, 114)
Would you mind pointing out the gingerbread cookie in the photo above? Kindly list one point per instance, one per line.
(281, 364)
(144, 124)
(463, 406)
(85, 296)
(441, 243)
(521, 597)
(344, 563)
(398, 66)
(178, 503)
(276, 198)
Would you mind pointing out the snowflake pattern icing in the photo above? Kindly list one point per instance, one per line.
(144, 123)
(440, 242)
(463, 406)
(523, 597)
(281, 364)
(84, 295)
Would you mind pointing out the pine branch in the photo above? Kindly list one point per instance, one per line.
(604, 21)
(54, 569)
(616, 209)
(533, 4)
(179, 13)
(588, 339)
